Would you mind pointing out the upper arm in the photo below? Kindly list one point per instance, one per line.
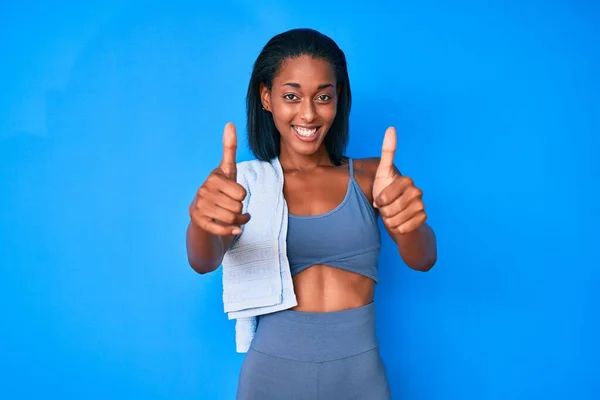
(364, 174)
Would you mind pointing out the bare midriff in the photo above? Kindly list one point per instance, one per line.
(322, 288)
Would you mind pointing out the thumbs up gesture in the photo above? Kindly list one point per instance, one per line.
(217, 206)
(399, 201)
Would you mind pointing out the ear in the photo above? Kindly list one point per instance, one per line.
(265, 97)
(339, 89)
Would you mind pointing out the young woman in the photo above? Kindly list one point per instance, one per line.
(298, 106)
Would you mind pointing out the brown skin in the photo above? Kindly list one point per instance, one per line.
(304, 93)
(215, 212)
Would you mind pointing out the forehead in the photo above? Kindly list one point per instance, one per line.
(306, 70)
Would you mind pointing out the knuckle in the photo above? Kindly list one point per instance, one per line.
(193, 209)
(210, 179)
(202, 191)
(420, 206)
(237, 196)
(406, 180)
(239, 192)
(198, 205)
(238, 207)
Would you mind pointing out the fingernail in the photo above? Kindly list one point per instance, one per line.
(237, 231)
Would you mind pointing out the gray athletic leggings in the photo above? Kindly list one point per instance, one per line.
(315, 356)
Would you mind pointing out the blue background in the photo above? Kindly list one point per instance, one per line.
(111, 116)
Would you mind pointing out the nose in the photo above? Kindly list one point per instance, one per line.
(307, 111)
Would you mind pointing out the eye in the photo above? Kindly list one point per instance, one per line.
(324, 97)
(290, 96)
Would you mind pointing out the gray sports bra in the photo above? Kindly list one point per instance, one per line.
(346, 237)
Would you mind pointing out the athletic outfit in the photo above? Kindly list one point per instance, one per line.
(298, 355)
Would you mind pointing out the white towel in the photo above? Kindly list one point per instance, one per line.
(256, 273)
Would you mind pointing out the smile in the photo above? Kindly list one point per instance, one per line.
(304, 133)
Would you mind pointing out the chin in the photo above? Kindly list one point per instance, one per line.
(303, 150)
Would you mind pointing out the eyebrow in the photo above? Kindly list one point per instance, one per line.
(297, 85)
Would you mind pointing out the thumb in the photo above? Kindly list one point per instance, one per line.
(228, 163)
(388, 149)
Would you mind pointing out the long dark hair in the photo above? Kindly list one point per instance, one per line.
(263, 137)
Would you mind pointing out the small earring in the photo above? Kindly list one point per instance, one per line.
(263, 107)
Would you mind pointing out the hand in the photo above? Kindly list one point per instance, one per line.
(399, 201)
(217, 205)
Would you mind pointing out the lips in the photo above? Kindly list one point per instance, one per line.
(306, 133)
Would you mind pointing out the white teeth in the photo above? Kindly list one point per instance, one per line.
(305, 132)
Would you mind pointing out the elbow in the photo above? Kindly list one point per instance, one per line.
(427, 262)
(418, 249)
(201, 266)
(423, 265)
(203, 269)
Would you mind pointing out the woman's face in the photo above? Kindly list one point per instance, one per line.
(303, 102)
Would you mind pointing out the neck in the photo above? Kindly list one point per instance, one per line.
(292, 161)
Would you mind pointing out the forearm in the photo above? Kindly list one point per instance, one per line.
(205, 251)
(418, 249)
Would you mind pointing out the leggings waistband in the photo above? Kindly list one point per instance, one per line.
(316, 337)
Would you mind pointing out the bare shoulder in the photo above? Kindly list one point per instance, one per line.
(366, 166)
(364, 173)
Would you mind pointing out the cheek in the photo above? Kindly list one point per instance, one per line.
(283, 112)
(328, 113)
(282, 119)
